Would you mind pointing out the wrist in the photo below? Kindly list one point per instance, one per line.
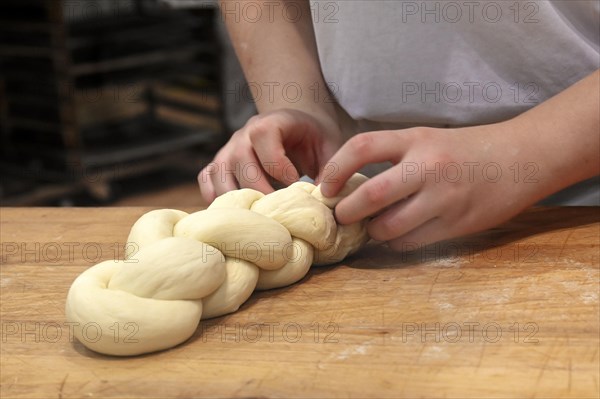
(539, 161)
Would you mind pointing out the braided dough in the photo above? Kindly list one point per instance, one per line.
(181, 267)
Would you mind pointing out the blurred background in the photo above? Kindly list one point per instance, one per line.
(114, 102)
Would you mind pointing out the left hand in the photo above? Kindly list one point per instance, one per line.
(444, 183)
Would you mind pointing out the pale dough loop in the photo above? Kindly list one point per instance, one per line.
(181, 267)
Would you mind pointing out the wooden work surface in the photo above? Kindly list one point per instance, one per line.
(512, 312)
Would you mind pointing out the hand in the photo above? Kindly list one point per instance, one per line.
(283, 144)
(444, 183)
(451, 182)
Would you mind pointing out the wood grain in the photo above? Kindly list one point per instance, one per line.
(512, 312)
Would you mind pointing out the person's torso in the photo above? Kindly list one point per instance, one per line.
(452, 62)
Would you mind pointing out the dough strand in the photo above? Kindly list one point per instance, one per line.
(181, 268)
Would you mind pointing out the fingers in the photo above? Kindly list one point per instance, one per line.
(252, 175)
(291, 142)
(271, 154)
(329, 170)
(404, 217)
(417, 221)
(207, 190)
(270, 146)
(363, 149)
(220, 177)
(376, 194)
(213, 182)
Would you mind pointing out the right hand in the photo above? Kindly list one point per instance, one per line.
(283, 144)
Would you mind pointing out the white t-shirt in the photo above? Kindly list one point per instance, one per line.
(394, 63)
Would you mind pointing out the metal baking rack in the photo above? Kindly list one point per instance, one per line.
(110, 93)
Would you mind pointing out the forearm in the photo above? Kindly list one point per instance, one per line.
(563, 135)
(278, 55)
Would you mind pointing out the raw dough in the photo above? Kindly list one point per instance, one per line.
(182, 267)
